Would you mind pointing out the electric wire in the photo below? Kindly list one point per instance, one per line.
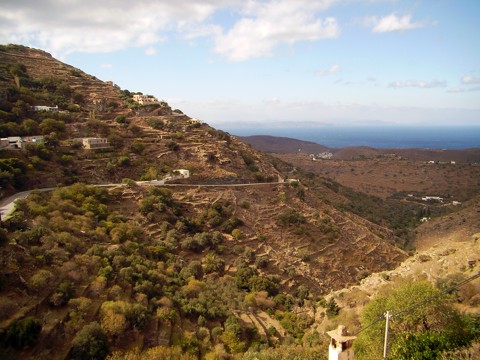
(400, 312)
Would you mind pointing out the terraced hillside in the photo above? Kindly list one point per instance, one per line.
(193, 265)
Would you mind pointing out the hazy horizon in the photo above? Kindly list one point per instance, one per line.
(382, 137)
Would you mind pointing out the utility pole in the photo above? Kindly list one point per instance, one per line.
(385, 345)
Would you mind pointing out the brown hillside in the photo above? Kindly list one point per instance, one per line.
(186, 257)
(40, 64)
(387, 175)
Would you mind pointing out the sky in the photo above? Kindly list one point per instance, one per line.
(272, 63)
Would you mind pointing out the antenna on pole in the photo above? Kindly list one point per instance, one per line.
(385, 345)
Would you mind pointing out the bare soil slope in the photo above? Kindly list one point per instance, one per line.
(389, 175)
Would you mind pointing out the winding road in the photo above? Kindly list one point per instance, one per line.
(7, 205)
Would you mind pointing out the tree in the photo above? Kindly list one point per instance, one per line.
(420, 307)
(232, 335)
(48, 126)
(90, 343)
(40, 280)
(62, 294)
(332, 308)
(113, 323)
(30, 127)
(23, 332)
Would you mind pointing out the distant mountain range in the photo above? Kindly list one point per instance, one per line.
(282, 145)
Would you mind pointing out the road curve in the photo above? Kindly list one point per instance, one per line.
(7, 205)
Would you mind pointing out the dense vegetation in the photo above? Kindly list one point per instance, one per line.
(81, 253)
(425, 324)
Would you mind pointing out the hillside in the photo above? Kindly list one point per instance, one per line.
(274, 144)
(449, 252)
(233, 256)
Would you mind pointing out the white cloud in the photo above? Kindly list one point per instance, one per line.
(194, 31)
(331, 70)
(265, 25)
(106, 66)
(469, 80)
(455, 90)
(150, 51)
(418, 84)
(64, 27)
(392, 22)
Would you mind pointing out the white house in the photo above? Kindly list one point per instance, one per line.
(95, 143)
(19, 143)
(183, 173)
(45, 108)
(145, 99)
(432, 198)
(11, 143)
(340, 347)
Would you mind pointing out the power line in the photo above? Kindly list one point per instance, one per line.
(449, 290)
(400, 312)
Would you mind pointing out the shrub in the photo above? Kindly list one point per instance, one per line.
(62, 294)
(137, 147)
(172, 145)
(123, 161)
(40, 280)
(23, 332)
(48, 126)
(261, 262)
(291, 216)
(237, 234)
(332, 308)
(155, 123)
(247, 158)
(122, 120)
(90, 343)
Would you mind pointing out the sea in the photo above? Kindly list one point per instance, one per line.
(380, 137)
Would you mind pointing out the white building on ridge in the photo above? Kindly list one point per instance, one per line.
(145, 99)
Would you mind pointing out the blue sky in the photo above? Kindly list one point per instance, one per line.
(276, 63)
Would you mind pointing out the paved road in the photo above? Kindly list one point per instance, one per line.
(7, 205)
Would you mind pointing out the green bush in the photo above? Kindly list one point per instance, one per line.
(40, 280)
(62, 294)
(290, 216)
(23, 332)
(123, 161)
(332, 308)
(172, 145)
(48, 126)
(90, 343)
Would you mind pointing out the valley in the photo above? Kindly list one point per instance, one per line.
(199, 245)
